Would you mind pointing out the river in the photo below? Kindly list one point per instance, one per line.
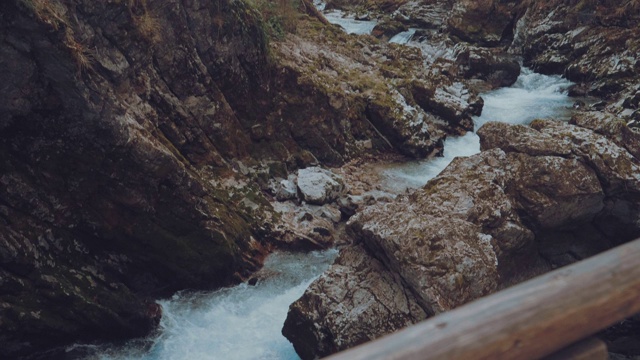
(238, 323)
(244, 322)
(532, 96)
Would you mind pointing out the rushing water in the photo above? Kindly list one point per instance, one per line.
(238, 323)
(350, 25)
(244, 322)
(403, 37)
(533, 96)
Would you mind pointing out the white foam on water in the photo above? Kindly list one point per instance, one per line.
(244, 322)
(403, 37)
(238, 323)
(533, 96)
(350, 25)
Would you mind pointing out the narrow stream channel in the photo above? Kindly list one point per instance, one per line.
(533, 96)
(238, 323)
(244, 322)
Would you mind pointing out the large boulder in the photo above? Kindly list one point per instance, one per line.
(446, 261)
(535, 197)
(365, 301)
(490, 65)
(486, 22)
(319, 186)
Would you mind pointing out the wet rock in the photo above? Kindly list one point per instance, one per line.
(494, 67)
(486, 22)
(285, 189)
(346, 75)
(534, 198)
(574, 40)
(425, 14)
(319, 186)
(387, 28)
(453, 102)
(366, 302)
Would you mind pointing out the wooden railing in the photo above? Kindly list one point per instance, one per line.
(531, 320)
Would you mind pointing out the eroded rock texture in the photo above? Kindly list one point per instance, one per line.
(535, 197)
(487, 22)
(357, 301)
(136, 136)
(110, 145)
(538, 196)
(593, 43)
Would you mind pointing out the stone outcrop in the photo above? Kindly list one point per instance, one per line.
(365, 301)
(535, 197)
(486, 22)
(362, 89)
(592, 43)
(319, 186)
(114, 187)
(136, 137)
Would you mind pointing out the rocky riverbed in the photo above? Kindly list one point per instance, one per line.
(154, 146)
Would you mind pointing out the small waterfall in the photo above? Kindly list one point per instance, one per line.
(350, 25)
(403, 37)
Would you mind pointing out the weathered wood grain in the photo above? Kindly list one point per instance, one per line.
(588, 349)
(528, 321)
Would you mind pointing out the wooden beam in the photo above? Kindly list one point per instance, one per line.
(588, 349)
(527, 321)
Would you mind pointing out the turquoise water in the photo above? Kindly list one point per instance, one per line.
(241, 322)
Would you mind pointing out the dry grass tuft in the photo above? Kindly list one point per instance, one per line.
(148, 24)
(83, 56)
(54, 14)
(50, 12)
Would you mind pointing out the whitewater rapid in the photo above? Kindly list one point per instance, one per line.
(238, 323)
(244, 322)
(533, 96)
(350, 25)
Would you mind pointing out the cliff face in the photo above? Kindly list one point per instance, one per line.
(593, 43)
(135, 137)
(114, 136)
